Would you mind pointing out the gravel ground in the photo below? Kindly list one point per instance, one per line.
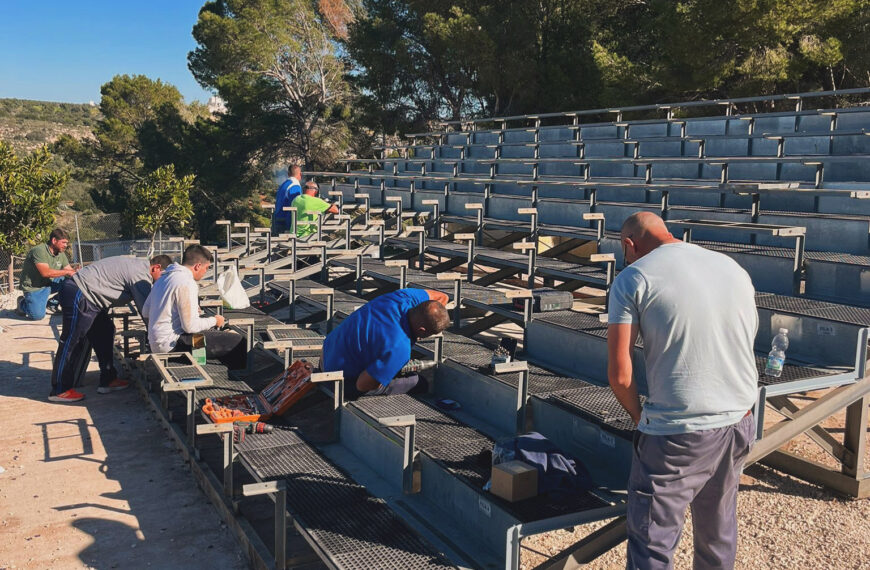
(784, 523)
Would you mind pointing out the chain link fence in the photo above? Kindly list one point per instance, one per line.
(92, 237)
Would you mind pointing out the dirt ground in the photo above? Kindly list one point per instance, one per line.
(783, 523)
(95, 484)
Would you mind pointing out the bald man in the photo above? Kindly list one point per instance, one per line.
(696, 311)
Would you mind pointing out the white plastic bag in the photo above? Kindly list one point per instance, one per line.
(232, 293)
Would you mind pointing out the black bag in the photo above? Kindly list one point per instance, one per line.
(546, 300)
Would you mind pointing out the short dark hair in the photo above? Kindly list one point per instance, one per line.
(292, 168)
(433, 316)
(196, 254)
(162, 260)
(58, 234)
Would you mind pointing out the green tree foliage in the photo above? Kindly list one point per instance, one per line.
(146, 125)
(29, 197)
(70, 114)
(112, 161)
(417, 61)
(161, 201)
(277, 65)
(734, 48)
(422, 60)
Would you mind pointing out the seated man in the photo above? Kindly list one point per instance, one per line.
(86, 299)
(42, 274)
(372, 344)
(306, 224)
(172, 311)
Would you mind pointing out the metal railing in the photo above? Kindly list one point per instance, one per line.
(669, 108)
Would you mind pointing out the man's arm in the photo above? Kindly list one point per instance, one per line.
(50, 273)
(620, 344)
(333, 209)
(188, 311)
(366, 383)
(438, 296)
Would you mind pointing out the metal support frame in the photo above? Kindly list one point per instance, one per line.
(436, 217)
(478, 208)
(522, 368)
(228, 224)
(402, 264)
(337, 377)
(366, 199)
(410, 483)
(852, 479)
(470, 239)
(330, 304)
(398, 201)
(225, 430)
(421, 245)
(531, 249)
(457, 296)
(279, 490)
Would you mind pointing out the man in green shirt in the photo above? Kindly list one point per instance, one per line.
(42, 274)
(306, 224)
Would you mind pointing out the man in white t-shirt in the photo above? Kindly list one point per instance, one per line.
(172, 313)
(695, 310)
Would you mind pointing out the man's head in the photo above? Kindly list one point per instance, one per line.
(641, 233)
(310, 188)
(428, 318)
(58, 240)
(197, 259)
(158, 264)
(295, 171)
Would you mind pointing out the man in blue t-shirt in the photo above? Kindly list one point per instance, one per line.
(374, 342)
(287, 192)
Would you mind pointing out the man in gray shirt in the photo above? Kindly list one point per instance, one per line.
(86, 298)
(695, 310)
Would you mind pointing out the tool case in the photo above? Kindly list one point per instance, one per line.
(545, 300)
(285, 390)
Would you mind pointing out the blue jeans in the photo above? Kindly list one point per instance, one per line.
(33, 303)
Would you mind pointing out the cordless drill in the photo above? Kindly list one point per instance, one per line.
(242, 428)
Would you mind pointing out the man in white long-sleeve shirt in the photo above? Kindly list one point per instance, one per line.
(172, 312)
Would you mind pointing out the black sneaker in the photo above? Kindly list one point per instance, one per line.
(18, 310)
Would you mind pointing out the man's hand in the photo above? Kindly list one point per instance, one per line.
(69, 271)
(220, 321)
(620, 344)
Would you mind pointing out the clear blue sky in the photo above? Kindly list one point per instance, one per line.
(64, 50)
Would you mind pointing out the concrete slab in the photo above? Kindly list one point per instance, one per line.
(95, 484)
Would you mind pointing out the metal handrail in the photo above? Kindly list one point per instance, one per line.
(669, 107)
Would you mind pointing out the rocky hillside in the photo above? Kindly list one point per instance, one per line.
(26, 125)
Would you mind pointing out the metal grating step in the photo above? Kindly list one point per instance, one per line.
(352, 528)
(461, 451)
(268, 464)
(279, 333)
(598, 404)
(581, 322)
(790, 372)
(810, 307)
(280, 437)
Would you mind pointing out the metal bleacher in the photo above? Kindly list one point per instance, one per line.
(484, 210)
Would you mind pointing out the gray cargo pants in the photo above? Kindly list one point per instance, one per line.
(671, 472)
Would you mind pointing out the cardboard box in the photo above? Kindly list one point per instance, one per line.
(514, 481)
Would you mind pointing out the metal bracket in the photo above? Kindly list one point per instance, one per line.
(521, 367)
(279, 489)
(410, 483)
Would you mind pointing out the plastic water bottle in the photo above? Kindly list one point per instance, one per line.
(776, 356)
